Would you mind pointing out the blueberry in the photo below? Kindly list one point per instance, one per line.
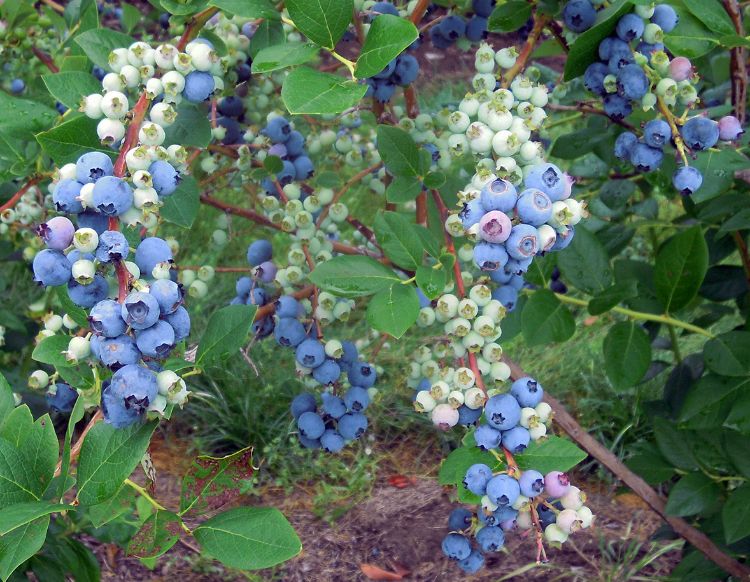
(362, 374)
(468, 416)
(616, 106)
(624, 145)
(476, 29)
(333, 406)
(151, 252)
(547, 516)
(302, 403)
(531, 483)
(619, 59)
(140, 310)
(198, 86)
(632, 82)
(472, 563)
(352, 425)
(487, 438)
(113, 246)
(471, 212)
(687, 180)
(64, 398)
(730, 128)
(502, 412)
(564, 239)
(665, 16)
(523, 242)
(456, 546)
(303, 168)
(489, 256)
(506, 295)
(503, 490)
(630, 27)
(277, 130)
(490, 538)
(350, 356)
(156, 341)
(105, 319)
(593, 78)
(57, 233)
(17, 86)
(310, 353)
(168, 295)
(386, 72)
(164, 177)
(244, 73)
(257, 296)
(645, 158)
(498, 195)
(327, 373)
(611, 46)
(700, 133)
(527, 391)
(92, 166)
(383, 91)
(407, 69)
(117, 351)
(287, 306)
(311, 425)
(459, 519)
(657, 133)
(549, 179)
(385, 8)
(258, 252)
(131, 390)
(332, 441)
(516, 439)
(453, 27)
(476, 478)
(495, 226)
(180, 322)
(112, 196)
(92, 219)
(51, 268)
(65, 197)
(482, 7)
(356, 399)
(579, 15)
(534, 207)
(289, 332)
(231, 106)
(439, 40)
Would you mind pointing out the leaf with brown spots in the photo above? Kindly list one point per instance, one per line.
(373, 572)
(212, 482)
(157, 534)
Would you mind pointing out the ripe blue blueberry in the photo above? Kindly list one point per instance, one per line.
(616, 106)
(333, 405)
(534, 207)
(611, 45)
(116, 352)
(295, 144)
(476, 478)
(51, 268)
(94, 220)
(502, 412)
(490, 538)
(700, 133)
(198, 86)
(156, 341)
(523, 242)
(113, 246)
(579, 15)
(407, 69)
(507, 296)
(624, 145)
(472, 563)
(645, 158)
(665, 16)
(356, 399)
(476, 28)
(516, 439)
(112, 196)
(527, 391)
(140, 310)
(289, 332)
(487, 438)
(632, 82)
(593, 78)
(302, 403)
(482, 7)
(362, 374)
(310, 353)
(531, 483)
(168, 295)
(277, 130)
(459, 519)
(549, 179)
(17, 86)
(232, 130)
(383, 90)
(65, 196)
(503, 490)
(311, 425)
(630, 27)
(164, 177)
(151, 252)
(490, 256)
(332, 441)
(105, 319)
(231, 106)
(619, 59)
(180, 322)
(64, 398)
(385, 8)
(687, 180)
(352, 426)
(131, 390)
(258, 252)
(456, 546)
(498, 195)
(453, 27)
(303, 168)
(327, 373)
(471, 213)
(92, 166)
(286, 306)
(467, 416)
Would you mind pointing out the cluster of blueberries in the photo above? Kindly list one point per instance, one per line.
(514, 227)
(289, 145)
(231, 111)
(454, 27)
(149, 322)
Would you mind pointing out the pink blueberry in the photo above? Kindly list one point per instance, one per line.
(495, 227)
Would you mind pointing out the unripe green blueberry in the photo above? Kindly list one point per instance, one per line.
(38, 380)
(473, 342)
(206, 273)
(53, 322)
(342, 310)
(83, 272)
(338, 212)
(500, 372)
(292, 191)
(294, 274)
(426, 317)
(198, 289)
(187, 277)
(424, 402)
(327, 300)
(464, 378)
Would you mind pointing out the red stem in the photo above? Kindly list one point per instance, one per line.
(17, 196)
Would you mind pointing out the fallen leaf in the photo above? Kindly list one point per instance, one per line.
(373, 572)
(401, 481)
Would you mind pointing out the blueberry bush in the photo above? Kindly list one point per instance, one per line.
(595, 164)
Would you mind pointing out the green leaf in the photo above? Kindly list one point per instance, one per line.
(22, 543)
(509, 16)
(454, 466)
(680, 267)
(398, 151)
(729, 353)
(15, 12)
(738, 221)
(608, 298)
(108, 457)
(650, 465)
(131, 16)
(49, 351)
(434, 180)
(19, 120)
(585, 263)
(212, 482)
(103, 513)
(191, 128)
(76, 415)
(545, 320)
(99, 42)
(7, 403)
(69, 88)
(387, 38)
(322, 21)
(736, 514)
(627, 354)
(70, 140)
(690, 38)
(248, 8)
(403, 189)
(398, 239)
(158, 533)
(739, 416)
(674, 445)
(353, 276)
(712, 14)
(693, 493)
(734, 41)
(183, 7)
(76, 313)
(431, 245)
(431, 281)
(269, 33)
(308, 91)
(394, 310)
(225, 333)
(285, 55)
(584, 50)
(616, 193)
(14, 516)
(718, 168)
(570, 146)
(249, 538)
(709, 390)
(181, 208)
(551, 454)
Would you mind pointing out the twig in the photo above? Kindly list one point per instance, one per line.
(17, 196)
(46, 59)
(443, 209)
(588, 109)
(75, 450)
(344, 189)
(540, 21)
(737, 63)
(358, 28)
(419, 11)
(54, 5)
(194, 25)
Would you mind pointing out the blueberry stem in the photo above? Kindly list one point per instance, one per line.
(679, 144)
